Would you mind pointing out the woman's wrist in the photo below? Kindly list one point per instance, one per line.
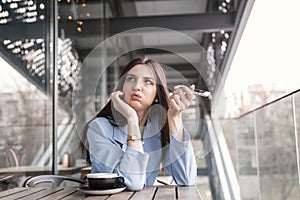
(136, 144)
(133, 125)
(176, 128)
(134, 137)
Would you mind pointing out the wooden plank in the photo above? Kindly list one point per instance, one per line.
(44, 193)
(166, 192)
(121, 195)
(187, 193)
(96, 197)
(145, 194)
(61, 193)
(80, 195)
(70, 193)
(11, 191)
(23, 193)
(76, 195)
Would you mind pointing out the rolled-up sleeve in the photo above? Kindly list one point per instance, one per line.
(107, 156)
(180, 161)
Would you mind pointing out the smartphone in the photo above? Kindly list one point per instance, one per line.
(202, 93)
(197, 92)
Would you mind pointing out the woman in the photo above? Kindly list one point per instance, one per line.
(141, 128)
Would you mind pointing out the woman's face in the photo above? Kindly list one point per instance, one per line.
(139, 87)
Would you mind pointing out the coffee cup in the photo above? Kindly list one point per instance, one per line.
(104, 181)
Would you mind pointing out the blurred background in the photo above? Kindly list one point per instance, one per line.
(60, 60)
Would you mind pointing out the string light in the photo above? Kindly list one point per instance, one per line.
(79, 22)
(42, 6)
(219, 44)
(32, 52)
(79, 29)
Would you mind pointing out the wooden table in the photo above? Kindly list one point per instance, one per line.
(71, 193)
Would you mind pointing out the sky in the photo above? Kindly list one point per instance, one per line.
(268, 52)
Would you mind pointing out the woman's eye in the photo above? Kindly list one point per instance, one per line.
(130, 78)
(149, 82)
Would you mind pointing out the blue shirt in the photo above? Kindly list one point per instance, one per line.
(109, 153)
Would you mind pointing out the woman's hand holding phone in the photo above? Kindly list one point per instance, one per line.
(181, 98)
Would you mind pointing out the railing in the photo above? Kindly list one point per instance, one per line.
(224, 182)
(265, 149)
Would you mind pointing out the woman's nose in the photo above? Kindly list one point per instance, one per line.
(138, 86)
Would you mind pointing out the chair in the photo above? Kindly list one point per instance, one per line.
(9, 157)
(49, 181)
(84, 171)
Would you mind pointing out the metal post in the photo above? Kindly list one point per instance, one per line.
(296, 138)
(54, 30)
(103, 55)
(256, 152)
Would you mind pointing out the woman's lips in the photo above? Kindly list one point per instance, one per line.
(135, 97)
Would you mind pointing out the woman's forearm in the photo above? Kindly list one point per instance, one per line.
(176, 127)
(134, 132)
(180, 161)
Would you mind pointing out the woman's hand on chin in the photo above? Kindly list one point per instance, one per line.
(121, 106)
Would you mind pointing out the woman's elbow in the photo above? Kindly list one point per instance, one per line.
(186, 180)
(135, 182)
(188, 183)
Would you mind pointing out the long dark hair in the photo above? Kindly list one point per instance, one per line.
(117, 119)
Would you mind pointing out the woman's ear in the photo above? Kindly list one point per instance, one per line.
(155, 99)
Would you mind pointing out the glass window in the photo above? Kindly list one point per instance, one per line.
(297, 120)
(277, 151)
(25, 90)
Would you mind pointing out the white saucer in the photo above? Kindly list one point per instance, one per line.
(88, 190)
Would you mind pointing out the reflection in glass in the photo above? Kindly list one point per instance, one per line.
(25, 103)
(267, 150)
(247, 157)
(276, 151)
